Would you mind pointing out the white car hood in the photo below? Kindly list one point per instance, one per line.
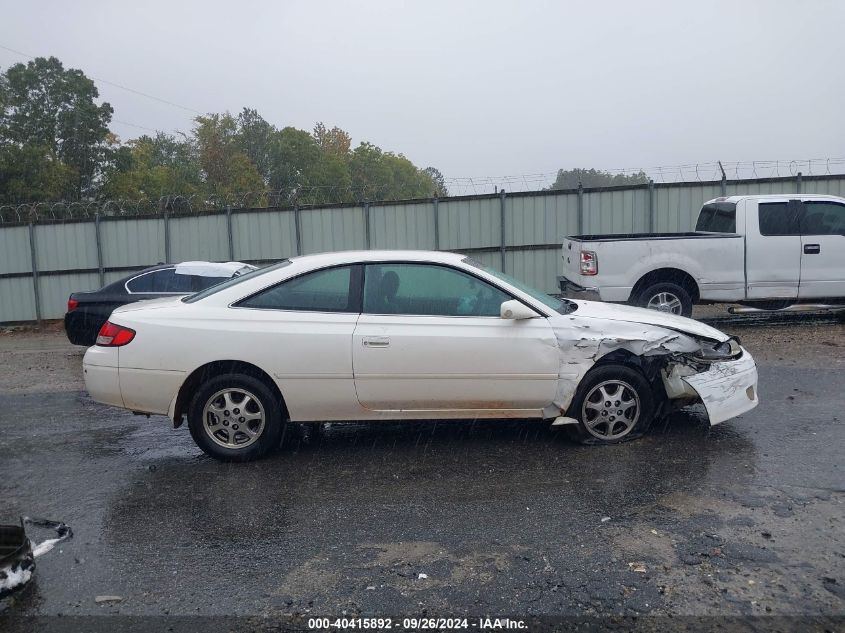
(630, 314)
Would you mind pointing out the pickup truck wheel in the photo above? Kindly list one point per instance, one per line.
(235, 418)
(664, 296)
(612, 404)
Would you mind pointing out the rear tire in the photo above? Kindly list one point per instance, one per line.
(665, 296)
(613, 404)
(236, 418)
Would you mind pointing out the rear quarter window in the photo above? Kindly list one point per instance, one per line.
(717, 217)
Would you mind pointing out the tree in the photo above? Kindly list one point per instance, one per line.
(254, 137)
(45, 106)
(304, 173)
(440, 188)
(31, 174)
(569, 179)
(55, 144)
(333, 142)
(226, 169)
(151, 167)
(378, 175)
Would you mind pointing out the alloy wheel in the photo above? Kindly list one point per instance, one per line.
(610, 410)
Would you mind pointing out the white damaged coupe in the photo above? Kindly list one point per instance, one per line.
(404, 335)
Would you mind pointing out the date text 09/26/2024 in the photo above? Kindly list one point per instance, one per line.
(415, 624)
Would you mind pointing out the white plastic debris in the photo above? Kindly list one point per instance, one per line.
(422, 576)
(103, 599)
(13, 578)
(605, 519)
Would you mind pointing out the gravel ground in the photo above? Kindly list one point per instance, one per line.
(745, 518)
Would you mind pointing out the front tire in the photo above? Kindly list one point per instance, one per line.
(613, 403)
(235, 418)
(665, 296)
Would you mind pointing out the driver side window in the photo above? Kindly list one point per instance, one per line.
(428, 290)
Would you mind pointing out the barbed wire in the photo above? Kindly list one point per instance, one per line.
(457, 186)
(690, 172)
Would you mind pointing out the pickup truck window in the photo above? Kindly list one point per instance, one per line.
(717, 217)
(780, 218)
(823, 218)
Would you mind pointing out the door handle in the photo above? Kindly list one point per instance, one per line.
(812, 249)
(376, 341)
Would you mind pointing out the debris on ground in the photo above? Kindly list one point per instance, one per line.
(106, 599)
(17, 553)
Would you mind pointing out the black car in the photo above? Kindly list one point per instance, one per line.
(87, 311)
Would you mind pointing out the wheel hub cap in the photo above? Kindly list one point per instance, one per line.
(610, 410)
(665, 302)
(233, 418)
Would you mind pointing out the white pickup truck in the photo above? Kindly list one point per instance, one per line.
(766, 251)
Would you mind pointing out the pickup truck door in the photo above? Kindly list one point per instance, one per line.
(772, 249)
(822, 249)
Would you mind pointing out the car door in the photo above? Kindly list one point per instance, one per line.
(772, 249)
(822, 250)
(300, 332)
(430, 339)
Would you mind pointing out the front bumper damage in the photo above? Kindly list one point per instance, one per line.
(727, 389)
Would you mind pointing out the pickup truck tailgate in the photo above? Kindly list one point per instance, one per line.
(571, 253)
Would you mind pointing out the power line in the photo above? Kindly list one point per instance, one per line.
(140, 127)
(117, 85)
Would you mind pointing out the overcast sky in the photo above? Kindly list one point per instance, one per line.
(474, 88)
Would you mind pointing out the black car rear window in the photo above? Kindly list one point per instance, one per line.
(235, 281)
(717, 217)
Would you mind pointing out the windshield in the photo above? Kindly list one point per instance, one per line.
(234, 281)
(558, 305)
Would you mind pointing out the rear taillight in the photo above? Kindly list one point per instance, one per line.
(589, 263)
(113, 335)
(71, 304)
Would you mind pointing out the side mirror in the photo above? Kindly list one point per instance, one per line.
(516, 310)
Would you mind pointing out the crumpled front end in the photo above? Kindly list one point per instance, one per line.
(691, 366)
(727, 389)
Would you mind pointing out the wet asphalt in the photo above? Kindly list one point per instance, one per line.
(745, 518)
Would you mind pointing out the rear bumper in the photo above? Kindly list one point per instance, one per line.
(574, 291)
(102, 381)
(727, 389)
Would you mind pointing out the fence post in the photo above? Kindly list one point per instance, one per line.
(580, 208)
(98, 239)
(34, 273)
(367, 224)
(502, 227)
(297, 228)
(436, 202)
(652, 220)
(229, 232)
(724, 180)
(166, 237)
(798, 181)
